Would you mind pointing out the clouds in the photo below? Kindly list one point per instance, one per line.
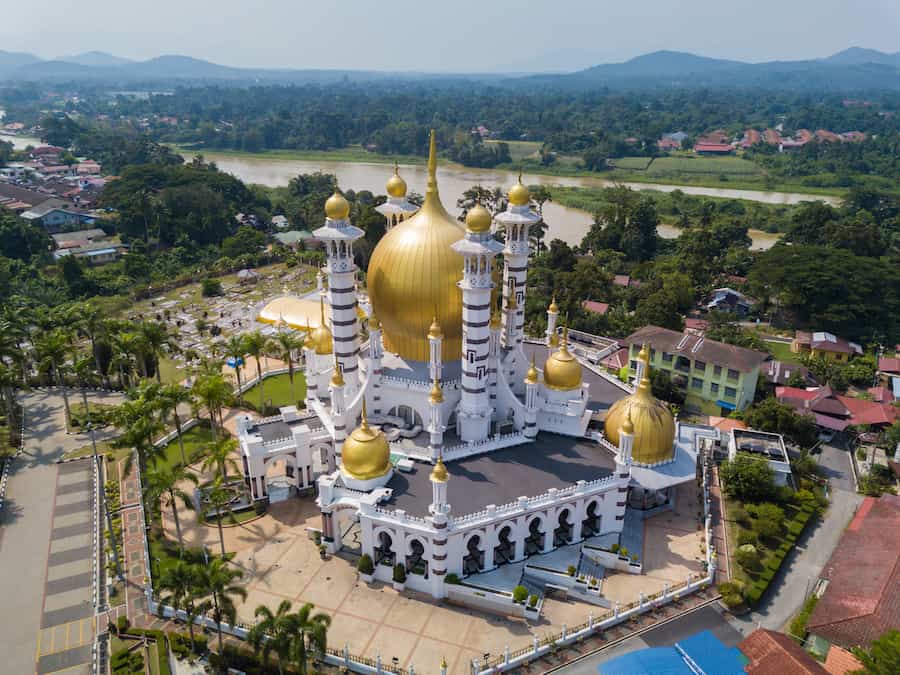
(454, 35)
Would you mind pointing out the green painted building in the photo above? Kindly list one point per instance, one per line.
(716, 377)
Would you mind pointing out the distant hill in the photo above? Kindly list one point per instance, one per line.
(11, 61)
(95, 58)
(860, 55)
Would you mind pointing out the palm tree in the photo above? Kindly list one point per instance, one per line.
(138, 420)
(126, 347)
(217, 581)
(255, 344)
(182, 581)
(285, 343)
(215, 392)
(274, 632)
(157, 341)
(219, 500)
(312, 634)
(52, 349)
(219, 456)
(163, 482)
(171, 396)
(90, 323)
(235, 347)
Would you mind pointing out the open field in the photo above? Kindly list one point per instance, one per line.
(519, 150)
(668, 166)
(277, 389)
(631, 163)
(352, 153)
(782, 352)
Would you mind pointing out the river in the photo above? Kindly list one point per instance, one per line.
(565, 223)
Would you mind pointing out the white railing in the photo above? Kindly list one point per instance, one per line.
(495, 442)
(399, 516)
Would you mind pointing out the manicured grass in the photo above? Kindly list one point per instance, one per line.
(195, 441)
(171, 372)
(631, 163)
(782, 352)
(233, 518)
(277, 389)
(519, 150)
(664, 166)
(103, 447)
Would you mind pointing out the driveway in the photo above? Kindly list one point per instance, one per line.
(27, 520)
(834, 462)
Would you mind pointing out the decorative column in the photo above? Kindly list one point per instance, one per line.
(642, 362)
(435, 340)
(478, 250)
(439, 509)
(309, 360)
(552, 316)
(496, 328)
(376, 352)
(338, 409)
(435, 423)
(531, 401)
(338, 234)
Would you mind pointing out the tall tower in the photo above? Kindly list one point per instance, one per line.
(478, 249)
(338, 234)
(516, 220)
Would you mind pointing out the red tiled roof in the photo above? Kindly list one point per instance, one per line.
(868, 412)
(696, 324)
(725, 423)
(622, 280)
(881, 394)
(840, 661)
(889, 365)
(862, 599)
(600, 308)
(712, 147)
(617, 360)
(770, 652)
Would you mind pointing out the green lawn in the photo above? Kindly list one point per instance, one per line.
(195, 440)
(665, 166)
(631, 163)
(277, 389)
(782, 352)
(519, 150)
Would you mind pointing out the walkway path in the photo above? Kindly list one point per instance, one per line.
(42, 497)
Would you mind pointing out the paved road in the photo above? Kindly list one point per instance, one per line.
(26, 524)
(705, 618)
(834, 462)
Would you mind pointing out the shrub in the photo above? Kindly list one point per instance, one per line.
(520, 593)
(614, 548)
(399, 573)
(532, 600)
(740, 515)
(747, 537)
(748, 479)
(806, 500)
(122, 624)
(571, 570)
(768, 522)
(453, 578)
(732, 600)
(623, 552)
(755, 592)
(365, 564)
(747, 557)
(211, 287)
(798, 625)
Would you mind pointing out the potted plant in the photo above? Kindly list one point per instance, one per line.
(399, 577)
(520, 594)
(366, 568)
(532, 602)
(323, 551)
(571, 570)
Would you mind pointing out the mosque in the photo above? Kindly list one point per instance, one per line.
(423, 392)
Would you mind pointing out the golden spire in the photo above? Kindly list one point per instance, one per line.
(308, 342)
(511, 301)
(322, 311)
(553, 308)
(337, 377)
(436, 395)
(564, 345)
(364, 421)
(627, 425)
(644, 354)
(518, 193)
(439, 473)
(496, 322)
(531, 377)
(434, 331)
(443, 663)
(432, 189)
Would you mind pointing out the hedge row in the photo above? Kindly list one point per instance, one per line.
(794, 528)
(162, 649)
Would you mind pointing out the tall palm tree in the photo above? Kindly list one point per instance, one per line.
(255, 344)
(89, 322)
(219, 456)
(285, 343)
(274, 632)
(53, 349)
(171, 396)
(126, 347)
(164, 482)
(235, 347)
(157, 341)
(219, 500)
(312, 634)
(215, 392)
(217, 580)
(183, 583)
(137, 418)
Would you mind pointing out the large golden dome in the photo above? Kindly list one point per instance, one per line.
(366, 454)
(654, 426)
(561, 369)
(413, 273)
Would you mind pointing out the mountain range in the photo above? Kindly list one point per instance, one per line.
(853, 68)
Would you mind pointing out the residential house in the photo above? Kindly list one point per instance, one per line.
(780, 373)
(294, 238)
(666, 144)
(713, 149)
(861, 600)
(772, 137)
(826, 345)
(764, 446)
(55, 215)
(716, 376)
(626, 281)
(770, 653)
(836, 412)
(595, 307)
(615, 361)
(695, 325)
(93, 245)
(280, 222)
(731, 301)
(889, 373)
(751, 137)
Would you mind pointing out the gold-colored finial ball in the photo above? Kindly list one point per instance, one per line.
(519, 194)
(396, 186)
(478, 219)
(337, 207)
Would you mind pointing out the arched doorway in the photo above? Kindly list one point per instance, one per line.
(408, 414)
(534, 542)
(384, 551)
(473, 562)
(562, 535)
(590, 526)
(415, 561)
(505, 550)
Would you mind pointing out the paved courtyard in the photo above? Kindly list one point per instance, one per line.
(281, 562)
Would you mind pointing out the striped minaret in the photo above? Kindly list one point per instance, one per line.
(439, 520)
(376, 352)
(338, 234)
(435, 423)
(478, 250)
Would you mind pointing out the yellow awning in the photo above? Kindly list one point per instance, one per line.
(293, 311)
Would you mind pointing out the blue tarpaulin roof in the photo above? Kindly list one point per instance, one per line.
(704, 652)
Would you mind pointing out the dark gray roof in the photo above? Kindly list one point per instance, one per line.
(698, 347)
(602, 393)
(502, 476)
(279, 429)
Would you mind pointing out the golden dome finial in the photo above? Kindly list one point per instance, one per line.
(432, 188)
(531, 377)
(437, 394)
(627, 425)
(553, 308)
(336, 206)
(364, 420)
(644, 354)
(511, 301)
(518, 193)
(478, 219)
(337, 377)
(434, 331)
(565, 337)
(443, 663)
(439, 473)
(396, 186)
(562, 371)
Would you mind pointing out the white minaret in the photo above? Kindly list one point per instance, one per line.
(516, 220)
(309, 364)
(552, 316)
(478, 249)
(531, 401)
(338, 234)
(338, 412)
(439, 509)
(397, 208)
(435, 342)
(641, 363)
(376, 352)
(496, 328)
(626, 443)
(435, 422)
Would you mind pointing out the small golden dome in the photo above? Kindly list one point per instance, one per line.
(366, 453)
(337, 207)
(651, 423)
(439, 473)
(434, 331)
(531, 377)
(478, 219)
(519, 194)
(562, 370)
(337, 377)
(437, 394)
(396, 186)
(553, 308)
(321, 336)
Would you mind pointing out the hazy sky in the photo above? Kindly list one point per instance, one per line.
(454, 35)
